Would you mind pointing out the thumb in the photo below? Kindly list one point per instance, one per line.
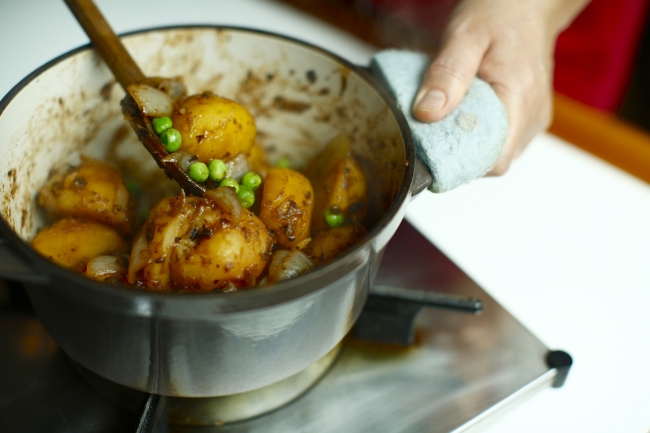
(447, 79)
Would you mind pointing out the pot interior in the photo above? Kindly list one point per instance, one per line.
(300, 96)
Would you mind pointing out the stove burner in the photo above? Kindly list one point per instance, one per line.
(210, 410)
(461, 370)
(152, 416)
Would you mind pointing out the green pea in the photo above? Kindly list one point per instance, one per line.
(251, 180)
(218, 169)
(133, 187)
(199, 171)
(171, 138)
(283, 163)
(246, 196)
(334, 217)
(161, 124)
(231, 183)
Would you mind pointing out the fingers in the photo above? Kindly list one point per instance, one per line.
(485, 39)
(512, 107)
(526, 95)
(449, 76)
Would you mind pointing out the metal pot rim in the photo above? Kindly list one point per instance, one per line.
(122, 297)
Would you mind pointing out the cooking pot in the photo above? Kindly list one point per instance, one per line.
(200, 345)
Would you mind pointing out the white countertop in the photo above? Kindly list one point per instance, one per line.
(562, 241)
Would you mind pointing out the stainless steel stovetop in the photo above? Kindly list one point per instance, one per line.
(462, 370)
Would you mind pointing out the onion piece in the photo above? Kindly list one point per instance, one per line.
(288, 264)
(180, 158)
(104, 266)
(226, 198)
(152, 102)
(174, 87)
(140, 257)
(237, 167)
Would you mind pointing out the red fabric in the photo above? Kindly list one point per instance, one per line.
(594, 56)
(428, 14)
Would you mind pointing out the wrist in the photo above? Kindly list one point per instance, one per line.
(561, 13)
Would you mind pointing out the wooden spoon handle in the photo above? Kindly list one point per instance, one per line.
(127, 72)
(106, 42)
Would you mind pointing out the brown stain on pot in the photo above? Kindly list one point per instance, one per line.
(57, 127)
(107, 89)
(284, 104)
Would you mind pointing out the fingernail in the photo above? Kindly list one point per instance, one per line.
(432, 100)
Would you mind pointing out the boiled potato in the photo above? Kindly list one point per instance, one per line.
(93, 190)
(286, 207)
(258, 160)
(330, 243)
(212, 127)
(235, 255)
(338, 182)
(345, 188)
(335, 151)
(73, 242)
(149, 261)
(188, 243)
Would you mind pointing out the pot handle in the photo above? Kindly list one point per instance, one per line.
(422, 178)
(13, 267)
(463, 146)
(390, 312)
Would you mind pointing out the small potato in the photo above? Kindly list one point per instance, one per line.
(93, 190)
(212, 127)
(330, 243)
(71, 242)
(149, 261)
(324, 162)
(188, 243)
(286, 207)
(338, 181)
(217, 256)
(344, 187)
(258, 160)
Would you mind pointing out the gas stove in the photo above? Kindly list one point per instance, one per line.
(461, 370)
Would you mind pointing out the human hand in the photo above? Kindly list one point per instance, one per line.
(508, 44)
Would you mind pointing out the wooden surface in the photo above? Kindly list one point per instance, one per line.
(605, 135)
